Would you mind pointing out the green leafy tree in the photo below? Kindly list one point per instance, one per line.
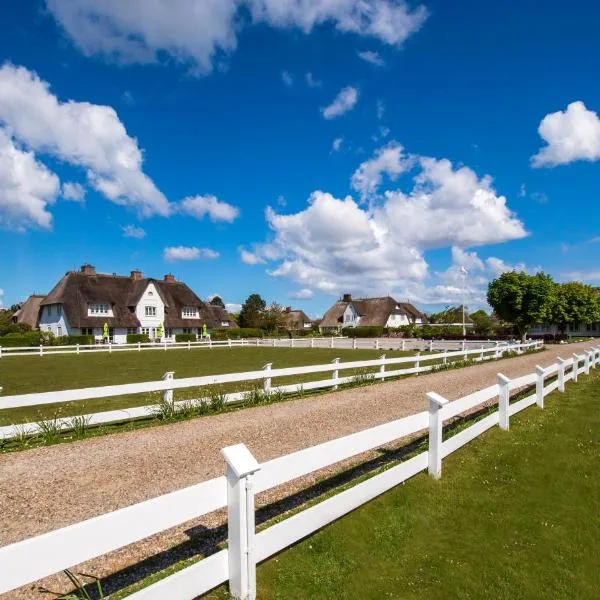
(272, 317)
(483, 323)
(575, 302)
(251, 313)
(217, 301)
(522, 299)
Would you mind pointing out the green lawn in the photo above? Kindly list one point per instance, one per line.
(21, 375)
(514, 516)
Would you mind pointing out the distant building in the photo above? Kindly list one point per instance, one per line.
(83, 301)
(296, 320)
(29, 312)
(367, 312)
(572, 330)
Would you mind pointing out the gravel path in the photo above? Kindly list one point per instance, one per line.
(47, 488)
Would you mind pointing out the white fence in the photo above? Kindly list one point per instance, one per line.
(267, 374)
(330, 342)
(32, 559)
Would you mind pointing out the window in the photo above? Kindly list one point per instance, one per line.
(131, 330)
(146, 330)
(150, 311)
(87, 331)
(169, 332)
(224, 323)
(99, 309)
(59, 309)
(59, 331)
(187, 330)
(191, 312)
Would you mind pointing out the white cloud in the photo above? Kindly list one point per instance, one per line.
(497, 266)
(570, 135)
(200, 33)
(87, 135)
(73, 191)
(287, 78)
(250, 258)
(389, 160)
(202, 206)
(303, 294)
(336, 244)
(133, 231)
(345, 100)
(188, 253)
(312, 82)
(337, 144)
(232, 307)
(27, 188)
(522, 191)
(380, 108)
(372, 57)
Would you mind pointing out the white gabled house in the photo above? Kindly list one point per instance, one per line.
(83, 301)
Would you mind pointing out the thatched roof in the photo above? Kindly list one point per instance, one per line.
(372, 311)
(29, 311)
(294, 319)
(76, 290)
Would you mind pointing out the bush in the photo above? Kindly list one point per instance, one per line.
(72, 340)
(134, 338)
(185, 337)
(14, 340)
(362, 332)
(236, 333)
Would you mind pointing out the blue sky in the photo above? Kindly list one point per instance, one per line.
(182, 123)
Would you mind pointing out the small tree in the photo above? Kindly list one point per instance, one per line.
(217, 301)
(575, 302)
(483, 323)
(251, 313)
(522, 299)
(272, 317)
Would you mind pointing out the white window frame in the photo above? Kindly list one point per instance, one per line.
(189, 312)
(150, 311)
(99, 308)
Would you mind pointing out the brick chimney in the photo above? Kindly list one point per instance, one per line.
(169, 278)
(88, 269)
(288, 309)
(136, 274)
(347, 298)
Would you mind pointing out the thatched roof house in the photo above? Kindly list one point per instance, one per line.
(29, 312)
(296, 320)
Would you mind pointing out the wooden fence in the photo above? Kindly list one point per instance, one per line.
(409, 365)
(30, 560)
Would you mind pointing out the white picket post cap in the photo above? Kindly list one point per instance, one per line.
(240, 460)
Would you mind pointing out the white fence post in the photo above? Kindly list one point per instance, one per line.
(241, 466)
(291, 342)
(382, 367)
(539, 385)
(561, 373)
(403, 344)
(41, 350)
(376, 344)
(77, 349)
(587, 362)
(165, 343)
(312, 342)
(575, 366)
(464, 348)
(331, 342)
(229, 343)
(267, 380)
(168, 393)
(335, 373)
(430, 345)
(353, 343)
(417, 362)
(436, 424)
(481, 357)
(503, 401)
(496, 352)
(110, 347)
(445, 359)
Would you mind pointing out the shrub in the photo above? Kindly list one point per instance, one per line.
(236, 333)
(72, 340)
(362, 332)
(134, 338)
(13, 340)
(185, 337)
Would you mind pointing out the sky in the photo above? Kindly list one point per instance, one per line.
(300, 149)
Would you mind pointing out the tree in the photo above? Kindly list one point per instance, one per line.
(216, 301)
(251, 313)
(483, 323)
(522, 299)
(272, 317)
(575, 302)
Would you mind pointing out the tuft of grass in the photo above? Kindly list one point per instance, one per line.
(81, 592)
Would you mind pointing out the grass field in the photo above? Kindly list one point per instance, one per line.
(21, 375)
(514, 517)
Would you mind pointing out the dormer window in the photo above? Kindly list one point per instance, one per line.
(189, 312)
(99, 309)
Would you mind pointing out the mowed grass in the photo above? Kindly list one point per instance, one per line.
(514, 516)
(22, 375)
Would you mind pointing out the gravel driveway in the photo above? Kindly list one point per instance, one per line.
(47, 488)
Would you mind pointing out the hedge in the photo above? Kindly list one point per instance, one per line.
(72, 340)
(134, 338)
(185, 337)
(362, 332)
(14, 340)
(236, 333)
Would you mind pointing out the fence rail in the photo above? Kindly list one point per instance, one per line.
(32, 559)
(306, 342)
(408, 365)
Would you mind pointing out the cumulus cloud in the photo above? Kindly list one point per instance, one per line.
(312, 81)
(87, 135)
(73, 191)
(345, 101)
(337, 144)
(570, 135)
(287, 78)
(303, 294)
(198, 33)
(389, 160)
(233, 307)
(174, 253)
(337, 244)
(250, 258)
(132, 231)
(208, 206)
(497, 266)
(372, 57)
(27, 188)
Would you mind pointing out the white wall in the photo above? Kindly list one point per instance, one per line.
(150, 298)
(397, 321)
(350, 317)
(51, 320)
